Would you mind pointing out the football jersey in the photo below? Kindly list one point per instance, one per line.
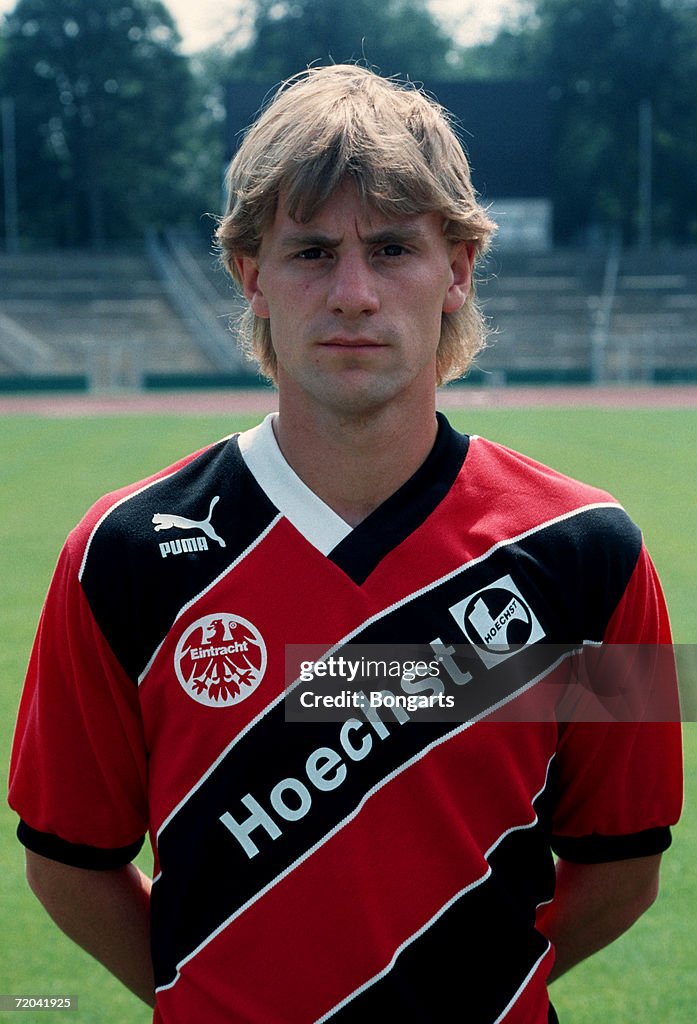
(374, 866)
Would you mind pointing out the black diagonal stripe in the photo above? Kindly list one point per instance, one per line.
(398, 517)
(190, 901)
(572, 573)
(135, 593)
(477, 954)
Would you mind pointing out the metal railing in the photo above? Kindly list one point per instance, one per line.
(187, 289)
(21, 350)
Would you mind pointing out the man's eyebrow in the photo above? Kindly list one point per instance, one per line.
(310, 240)
(392, 234)
(401, 234)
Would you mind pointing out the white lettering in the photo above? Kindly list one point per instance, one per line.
(184, 546)
(320, 763)
(374, 719)
(290, 798)
(430, 684)
(445, 655)
(214, 652)
(355, 753)
(281, 807)
(306, 671)
(257, 819)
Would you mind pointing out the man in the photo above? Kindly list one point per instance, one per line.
(375, 867)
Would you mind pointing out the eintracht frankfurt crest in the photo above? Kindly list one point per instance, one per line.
(220, 660)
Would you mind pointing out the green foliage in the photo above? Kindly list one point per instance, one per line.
(601, 59)
(101, 96)
(396, 36)
(117, 130)
(605, 59)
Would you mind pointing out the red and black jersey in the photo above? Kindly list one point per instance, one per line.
(377, 865)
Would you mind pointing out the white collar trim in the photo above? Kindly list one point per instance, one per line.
(317, 522)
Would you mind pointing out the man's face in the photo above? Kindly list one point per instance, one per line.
(355, 300)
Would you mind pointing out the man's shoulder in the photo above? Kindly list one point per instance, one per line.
(143, 552)
(127, 508)
(520, 496)
(512, 471)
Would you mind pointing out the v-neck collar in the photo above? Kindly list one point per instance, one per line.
(315, 520)
(356, 550)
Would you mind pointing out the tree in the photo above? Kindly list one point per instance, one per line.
(606, 58)
(101, 96)
(396, 36)
(603, 59)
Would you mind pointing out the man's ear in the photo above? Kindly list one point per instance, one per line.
(248, 271)
(461, 265)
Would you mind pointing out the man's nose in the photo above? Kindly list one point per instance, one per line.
(352, 289)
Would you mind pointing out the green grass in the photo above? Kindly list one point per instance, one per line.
(51, 470)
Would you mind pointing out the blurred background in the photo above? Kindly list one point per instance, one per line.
(118, 119)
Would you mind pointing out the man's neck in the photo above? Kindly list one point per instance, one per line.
(354, 463)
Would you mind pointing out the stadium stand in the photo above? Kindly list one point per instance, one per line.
(183, 270)
(653, 328)
(111, 318)
(149, 318)
(541, 309)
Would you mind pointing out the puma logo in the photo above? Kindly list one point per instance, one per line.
(165, 521)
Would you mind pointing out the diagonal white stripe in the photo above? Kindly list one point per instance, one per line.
(524, 984)
(436, 917)
(375, 618)
(477, 561)
(356, 811)
(197, 597)
(112, 508)
(134, 494)
(346, 639)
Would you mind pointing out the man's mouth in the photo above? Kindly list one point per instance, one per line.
(352, 342)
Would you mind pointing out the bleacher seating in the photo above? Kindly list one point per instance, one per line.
(541, 309)
(100, 314)
(653, 330)
(111, 318)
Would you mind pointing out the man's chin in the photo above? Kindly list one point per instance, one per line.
(355, 391)
(360, 395)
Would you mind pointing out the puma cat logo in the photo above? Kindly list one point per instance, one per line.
(165, 521)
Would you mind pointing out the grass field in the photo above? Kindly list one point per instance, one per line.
(51, 470)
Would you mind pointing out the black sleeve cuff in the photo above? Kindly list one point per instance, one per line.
(74, 854)
(597, 849)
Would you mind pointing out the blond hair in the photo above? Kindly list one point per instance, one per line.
(329, 124)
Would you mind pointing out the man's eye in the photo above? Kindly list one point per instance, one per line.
(313, 253)
(394, 249)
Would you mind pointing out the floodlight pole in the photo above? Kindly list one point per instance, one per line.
(9, 164)
(645, 173)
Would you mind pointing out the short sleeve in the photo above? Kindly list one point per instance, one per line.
(78, 776)
(619, 782)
